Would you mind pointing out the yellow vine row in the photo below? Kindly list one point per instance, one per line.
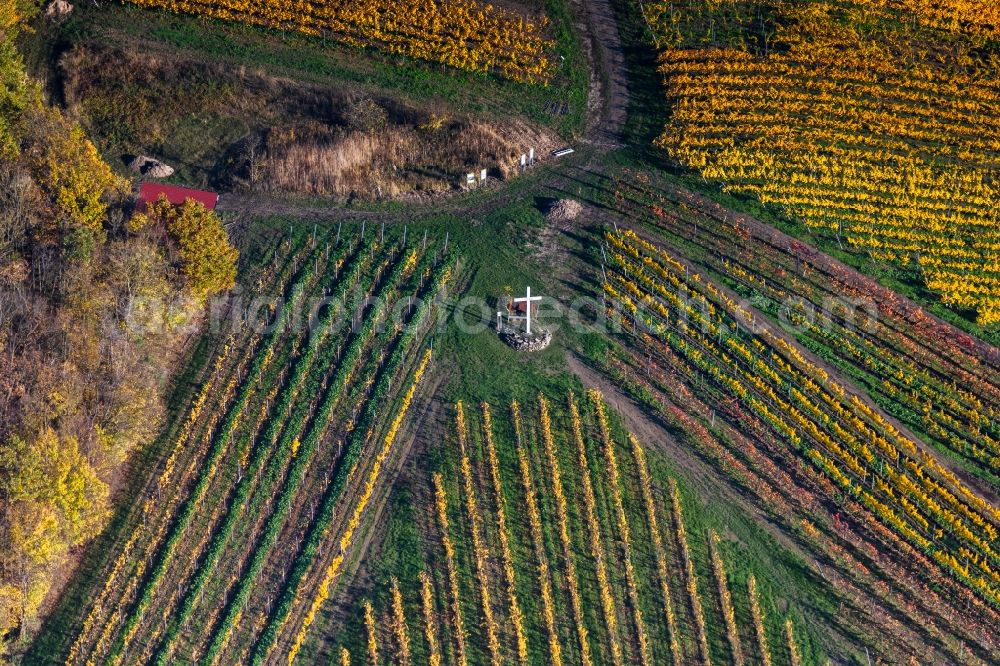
(793, 648)
(594, 533)
(623, 528)
(758, 621)
(430, 622)
(725, 599)
(478, 547)
(441, 504)
(661, 552)
(399, 624)
(371, 633)
(562, 513)
(516, 615)
(535, 521)
(692, 577)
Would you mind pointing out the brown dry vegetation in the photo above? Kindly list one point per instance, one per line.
(383, 162)
(247, 131)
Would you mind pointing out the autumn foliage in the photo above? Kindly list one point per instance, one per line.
(503, 532)
(207, 260)
(537, 539)
(478, 546)
(624, 531)
(562, 512)
(430, 623)
(83, 354)
(837, 121)
(455, 594)
(901, 486)
(569, 505)
(461, 33)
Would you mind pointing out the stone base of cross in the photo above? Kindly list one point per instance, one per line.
(527, 340)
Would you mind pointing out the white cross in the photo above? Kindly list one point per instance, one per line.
(527, 300)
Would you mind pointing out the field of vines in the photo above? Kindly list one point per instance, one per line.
(939, 382)
(466, 34)
(823, 110)
(241, 533)
(869, 500)
(551, 538)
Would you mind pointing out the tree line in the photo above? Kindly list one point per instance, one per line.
(95, 305)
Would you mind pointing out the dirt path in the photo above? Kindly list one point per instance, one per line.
(763, 326)
(607, 112)
(651, 433)
(609, 97)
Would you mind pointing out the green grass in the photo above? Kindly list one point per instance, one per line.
(497, 250)
(184, 115)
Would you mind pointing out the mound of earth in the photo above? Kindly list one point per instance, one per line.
(152, 168)
(58, 8)
(564, 210)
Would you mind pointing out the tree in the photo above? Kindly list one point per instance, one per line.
(208, 261)
(10, 608)
(52, 472)
(84, 345)
(13, 82)
(70, 170)
(8, 14)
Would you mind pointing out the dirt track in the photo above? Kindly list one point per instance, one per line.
(607, 113)
(604, 126)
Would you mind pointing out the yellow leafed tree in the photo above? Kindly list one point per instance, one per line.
(208, 261)
(52, 472)
(70, 170)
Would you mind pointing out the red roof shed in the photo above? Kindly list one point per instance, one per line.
(175, 194)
